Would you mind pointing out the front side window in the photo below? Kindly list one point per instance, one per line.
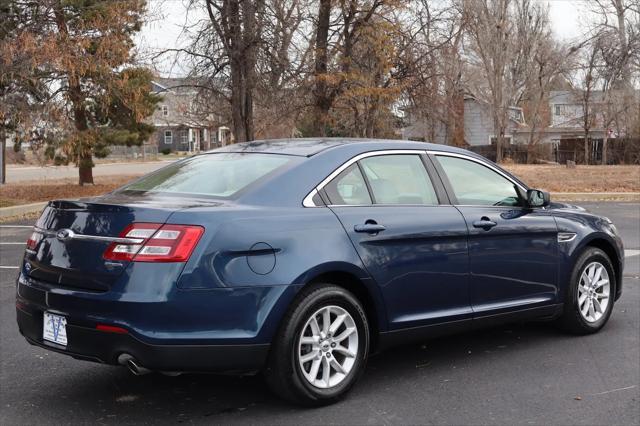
(217, 175)
(168, 137)
(165, 110)
(348, 188)
(475, 184)
(399, 179)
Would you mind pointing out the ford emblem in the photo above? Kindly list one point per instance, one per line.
(64, 235)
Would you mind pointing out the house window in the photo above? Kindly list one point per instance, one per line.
(557, 110)
(516, 115)
(168, 137)
(184, 137)
(165, 110)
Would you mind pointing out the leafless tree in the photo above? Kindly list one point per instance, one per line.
(432, 59)
(618, 32)
(489, 29)
(504, 38)
(338, 31)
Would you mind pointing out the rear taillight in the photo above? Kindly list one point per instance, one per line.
(154, 242)
(32, 242)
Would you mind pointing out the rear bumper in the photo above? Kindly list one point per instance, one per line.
(93, 345)
(219, 330)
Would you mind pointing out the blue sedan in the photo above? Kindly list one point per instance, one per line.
(299, 258)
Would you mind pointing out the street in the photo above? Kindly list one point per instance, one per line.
(515, 374)
(35, 173)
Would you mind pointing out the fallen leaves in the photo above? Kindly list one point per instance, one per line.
(32, 192)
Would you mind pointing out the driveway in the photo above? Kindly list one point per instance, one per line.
(516, 374)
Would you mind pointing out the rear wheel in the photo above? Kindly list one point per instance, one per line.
(321, 348)
(589, 298)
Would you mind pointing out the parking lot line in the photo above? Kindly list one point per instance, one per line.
(629, 253)
(9, 267)
(11, 243)
(16, 226)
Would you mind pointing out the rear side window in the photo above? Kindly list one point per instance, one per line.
(348, 188)
(475, 184)
(399, 179)
(218, 175)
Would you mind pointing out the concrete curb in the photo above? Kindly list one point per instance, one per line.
(595, 196)
(21, 210)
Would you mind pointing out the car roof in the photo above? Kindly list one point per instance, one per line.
(307, 147)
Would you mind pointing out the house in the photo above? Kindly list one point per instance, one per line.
(478, 125)
(559, 139)
(565, 132)
(179, 125)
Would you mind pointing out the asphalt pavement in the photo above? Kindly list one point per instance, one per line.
(515, 374)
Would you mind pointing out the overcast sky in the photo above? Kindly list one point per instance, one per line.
(567, 19)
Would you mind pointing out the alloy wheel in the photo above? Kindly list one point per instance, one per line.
(328, 347)
(593, 292)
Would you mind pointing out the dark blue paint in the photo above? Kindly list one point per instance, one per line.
(419, 261)
(429, 266)
(515, 262)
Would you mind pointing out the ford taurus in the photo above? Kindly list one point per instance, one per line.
(299, 258)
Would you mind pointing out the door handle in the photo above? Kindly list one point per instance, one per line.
(484, 223)
(369, 228)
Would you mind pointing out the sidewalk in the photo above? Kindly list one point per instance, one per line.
(17, 174)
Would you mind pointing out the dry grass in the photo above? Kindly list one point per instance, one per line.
(33, 192)
(556, 178)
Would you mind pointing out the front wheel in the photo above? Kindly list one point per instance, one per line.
(321, 348)
(589, 297)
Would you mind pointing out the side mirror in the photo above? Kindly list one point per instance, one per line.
(537, 198)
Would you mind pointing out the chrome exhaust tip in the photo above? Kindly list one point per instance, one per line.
(133, 366)
(137, 369)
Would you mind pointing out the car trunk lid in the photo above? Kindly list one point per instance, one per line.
(72, 236)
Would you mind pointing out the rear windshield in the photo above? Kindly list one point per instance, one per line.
(217, 175)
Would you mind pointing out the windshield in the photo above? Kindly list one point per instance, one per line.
(217, 175)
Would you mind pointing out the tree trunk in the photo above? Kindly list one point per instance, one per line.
(84, 153)
(586, 146)
(83, 148)
(499, 135)
(237, 89)
(587, 124)
(322, 101)
(251, 36)
(3, 158)
(85, 170)
(240, 27)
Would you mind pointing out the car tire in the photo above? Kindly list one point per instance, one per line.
(287, 372)
(582, 291)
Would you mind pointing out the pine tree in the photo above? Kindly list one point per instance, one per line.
(84, 58)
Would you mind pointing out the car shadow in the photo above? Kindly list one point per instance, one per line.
(112, 394)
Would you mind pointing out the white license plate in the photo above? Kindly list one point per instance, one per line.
(54, 329)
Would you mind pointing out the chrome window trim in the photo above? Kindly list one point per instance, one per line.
(308, 200)
(479, 161)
